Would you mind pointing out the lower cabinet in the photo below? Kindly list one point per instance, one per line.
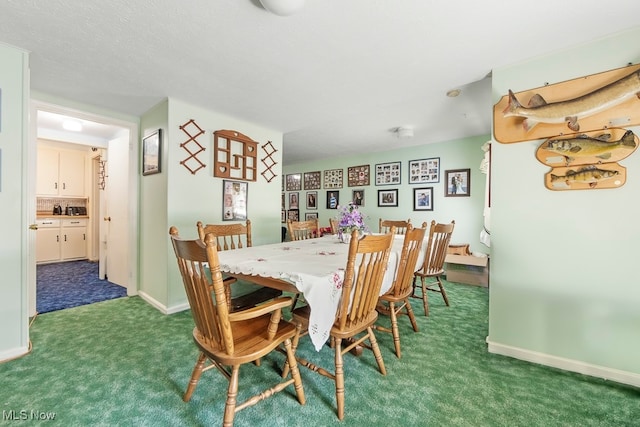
(61, 240)
(48, 240)
(74, 239)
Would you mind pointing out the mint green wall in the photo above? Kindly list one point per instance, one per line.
(460, 154)
(564, 274)
(178, 197)
(14, 95)
(153, 229)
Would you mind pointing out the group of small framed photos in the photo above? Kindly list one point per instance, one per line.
(293, 213)
(422, 171)
(457, 183)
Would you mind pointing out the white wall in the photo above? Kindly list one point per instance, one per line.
(14, 93)
(564, 272)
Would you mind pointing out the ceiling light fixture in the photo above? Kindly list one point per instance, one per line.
(72, 125)
(282, 7)
(404, 132)
(453, 93)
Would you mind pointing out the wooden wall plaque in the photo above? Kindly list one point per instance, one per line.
(509, 129)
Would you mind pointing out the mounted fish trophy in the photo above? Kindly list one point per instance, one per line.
(594, 102)
(587, 160)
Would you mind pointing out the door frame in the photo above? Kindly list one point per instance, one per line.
(30, 178)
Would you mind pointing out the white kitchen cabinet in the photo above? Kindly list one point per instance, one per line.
(73, 243)
(48, 240)
(60, 172)
(61, 240)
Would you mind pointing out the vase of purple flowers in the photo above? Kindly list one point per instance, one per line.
(350, 219)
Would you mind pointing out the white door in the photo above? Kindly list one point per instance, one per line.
(114, 225)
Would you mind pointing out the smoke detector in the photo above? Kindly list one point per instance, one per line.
(404, 132)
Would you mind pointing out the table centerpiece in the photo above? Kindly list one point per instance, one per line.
(350, 219)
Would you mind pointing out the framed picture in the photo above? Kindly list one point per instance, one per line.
(293, 215)
(312, 200)
(388, 173)
(358, 197)
(424, 171)
(312, 180)
(294, 199)
(388, 197)
(283, 217)
(457, 183)
(423, 199)
(358, 176)
(282, 205)
(310, 215)
(333, 199)
(333, 178)
(235, 199)
(294, 182)
(151, 154)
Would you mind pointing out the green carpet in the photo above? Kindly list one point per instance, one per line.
(121, 362)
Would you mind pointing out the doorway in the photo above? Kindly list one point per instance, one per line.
(98, 133)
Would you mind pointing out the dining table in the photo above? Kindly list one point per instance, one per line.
(314, 268)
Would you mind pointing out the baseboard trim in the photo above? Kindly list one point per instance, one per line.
(161, 307)
(571, 365)
(13, 353)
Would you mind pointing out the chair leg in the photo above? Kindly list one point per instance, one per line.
(294, 346)
(195, 377)
(411, 315)
(443, 292)
(232, 394)
(425, 298)
(339, 378)
(394, 328)
(295, 373)
(376, 351)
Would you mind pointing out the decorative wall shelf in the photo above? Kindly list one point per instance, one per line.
(234, 155)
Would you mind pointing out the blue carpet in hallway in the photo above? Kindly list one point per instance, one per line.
(71, 284)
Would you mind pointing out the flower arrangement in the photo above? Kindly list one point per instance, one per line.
(350, 218)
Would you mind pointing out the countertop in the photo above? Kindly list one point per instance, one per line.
(52, 216)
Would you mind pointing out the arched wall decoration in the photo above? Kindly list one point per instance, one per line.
(268, 174)
(234, 155)
(192, 147)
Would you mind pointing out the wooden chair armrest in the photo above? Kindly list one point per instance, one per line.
(267, 307)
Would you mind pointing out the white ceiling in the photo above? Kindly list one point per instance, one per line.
(336, 77)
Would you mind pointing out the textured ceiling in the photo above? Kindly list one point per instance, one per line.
(336, 77)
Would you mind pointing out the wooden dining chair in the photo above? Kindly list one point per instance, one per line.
(333, 223)
(237, 236)
(226, 339)
(302, 230)
(356, 314)
(386, 224)
(396, 301)
(433, 265)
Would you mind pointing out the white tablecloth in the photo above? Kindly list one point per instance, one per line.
(314, 266)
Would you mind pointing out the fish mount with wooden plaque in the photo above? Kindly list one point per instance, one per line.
(588, 160)
(586, 177)
(588, 148)
(591, 103)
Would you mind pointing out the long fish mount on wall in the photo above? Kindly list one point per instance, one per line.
(591, 103)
